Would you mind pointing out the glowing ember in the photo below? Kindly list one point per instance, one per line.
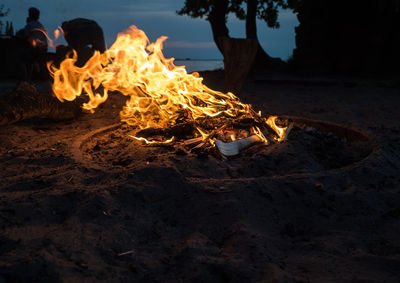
(161, 94)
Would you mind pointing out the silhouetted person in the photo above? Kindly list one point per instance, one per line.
(35, 41)
(85, 36)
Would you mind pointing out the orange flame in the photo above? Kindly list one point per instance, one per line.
(56, 34)
(158, 91)
(281, 132)
(50, 41)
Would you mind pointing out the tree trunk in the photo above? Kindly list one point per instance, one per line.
(239, 55)
(217, 19)
(262, 59)
(251, 25)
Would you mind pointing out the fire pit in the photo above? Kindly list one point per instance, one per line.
(311, 147)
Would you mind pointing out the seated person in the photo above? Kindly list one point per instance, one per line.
(34, 39)
(35, 31)
(85, 36)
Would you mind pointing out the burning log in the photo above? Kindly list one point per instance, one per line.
(179, 131)
(25, 102)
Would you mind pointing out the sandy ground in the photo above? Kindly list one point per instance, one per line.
(62, 220)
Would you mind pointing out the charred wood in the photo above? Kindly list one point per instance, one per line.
(180, 131)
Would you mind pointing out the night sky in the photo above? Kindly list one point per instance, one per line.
(187, 37)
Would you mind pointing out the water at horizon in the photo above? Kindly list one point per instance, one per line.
(200, 65)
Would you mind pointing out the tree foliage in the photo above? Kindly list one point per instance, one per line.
(3, 13)
(267, 10)
(217, 11)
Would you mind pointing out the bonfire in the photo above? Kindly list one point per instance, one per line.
(166, 105)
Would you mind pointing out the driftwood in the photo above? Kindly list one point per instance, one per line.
(234, 147)
(239, 55)
(25, 102)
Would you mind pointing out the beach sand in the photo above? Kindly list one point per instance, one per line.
(64, 218)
